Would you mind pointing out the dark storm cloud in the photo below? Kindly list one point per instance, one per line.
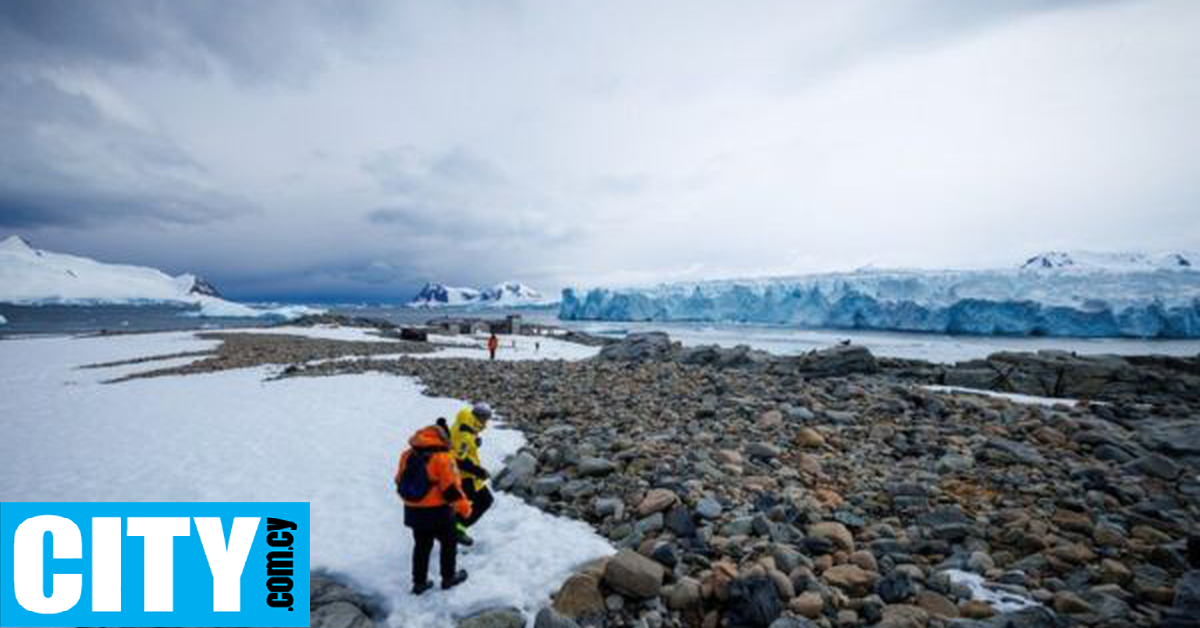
(65, 163)
(460, 195)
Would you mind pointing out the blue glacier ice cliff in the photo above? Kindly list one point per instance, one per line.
(1053, 294)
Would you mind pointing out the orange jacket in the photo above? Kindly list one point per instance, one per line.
(493, 343)
(442, 470)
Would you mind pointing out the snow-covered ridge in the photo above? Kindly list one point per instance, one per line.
(1054, 294)
(506, 294)
(32, 276)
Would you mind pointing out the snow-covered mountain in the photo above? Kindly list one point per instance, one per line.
(32, 276)
(1054, 294)
(507, 294)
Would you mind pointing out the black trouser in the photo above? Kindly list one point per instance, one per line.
(423, 548)
(480, 500)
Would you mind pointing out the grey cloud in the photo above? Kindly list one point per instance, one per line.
(66, 164)
(456, 193)
(254, 41)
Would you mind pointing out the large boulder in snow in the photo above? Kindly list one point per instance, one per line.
(334, 603)
(633, 575)
(640, 347)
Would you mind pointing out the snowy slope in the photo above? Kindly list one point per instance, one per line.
(506, 294)
(34, 276)
(1056, 294)
(231, 436)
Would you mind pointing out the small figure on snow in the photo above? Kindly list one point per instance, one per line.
(493, 343)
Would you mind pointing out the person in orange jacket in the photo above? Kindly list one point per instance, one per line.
(430, 484)
(493, 343)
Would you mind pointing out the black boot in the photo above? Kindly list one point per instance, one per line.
(421, 587)
(458, 579)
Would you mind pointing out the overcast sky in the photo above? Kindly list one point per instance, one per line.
(352, 150)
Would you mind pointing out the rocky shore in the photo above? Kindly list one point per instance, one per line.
(832, 489)
(835, 490)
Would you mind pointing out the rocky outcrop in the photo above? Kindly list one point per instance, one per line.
(763, 496)
(1064, 374)
(653, 346)
(656, 346)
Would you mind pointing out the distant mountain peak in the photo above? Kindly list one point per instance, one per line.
(16, 243)
(507, 293)
(1086, 260)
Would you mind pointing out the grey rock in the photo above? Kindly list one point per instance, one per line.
(753, 602)
(596, 467)
(1187, 593)
(634, 575)
(550, 618)
(836, 361)
(339, 615)
(708, 508)
(518, 472)
(762, 450)
(1157, 465)
(640, 347)
(506, 617)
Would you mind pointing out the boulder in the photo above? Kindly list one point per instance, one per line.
(834, 531)
(506, 617)
(339, 615)
(633, 575)
(753, 603)
(640, 347)
(595, 467)
(549, 618)
(580, 596)
(850, 578)
(838, 361)
(518, 472)
(685, 595)
(656, 500)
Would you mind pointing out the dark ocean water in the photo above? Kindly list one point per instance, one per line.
(82, 319)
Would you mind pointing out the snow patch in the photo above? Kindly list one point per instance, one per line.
(1000, 600)
(231, 436)
(32, 276)
(512, 348)
(1013, 397)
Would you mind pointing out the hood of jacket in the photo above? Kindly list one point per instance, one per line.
(431, 437)
(468, 419)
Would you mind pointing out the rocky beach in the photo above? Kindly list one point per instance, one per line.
(834, 489)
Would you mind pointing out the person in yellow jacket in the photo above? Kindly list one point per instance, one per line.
(464, 441)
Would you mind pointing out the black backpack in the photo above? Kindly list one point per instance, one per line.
(414, 483)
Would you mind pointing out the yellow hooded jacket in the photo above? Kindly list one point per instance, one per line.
(464, 440)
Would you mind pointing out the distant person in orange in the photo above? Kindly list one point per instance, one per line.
(493, 344)
(430, 484)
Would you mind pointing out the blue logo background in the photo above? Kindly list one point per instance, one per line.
(193, 590)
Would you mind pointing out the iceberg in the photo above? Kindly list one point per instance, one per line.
(30, 276)
(1054, 294)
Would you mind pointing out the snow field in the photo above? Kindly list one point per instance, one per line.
(230, 436)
